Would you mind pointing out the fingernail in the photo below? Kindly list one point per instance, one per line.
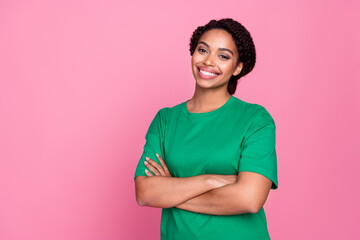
(145, 162)
(147, 158)
(157, 154)
(146, 171)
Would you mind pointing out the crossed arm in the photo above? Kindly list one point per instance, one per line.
(209, 193)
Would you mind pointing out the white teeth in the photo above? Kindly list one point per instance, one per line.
(208, 73)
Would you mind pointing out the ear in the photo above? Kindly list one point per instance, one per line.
(238, 68)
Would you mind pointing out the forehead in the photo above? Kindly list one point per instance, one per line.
(218, 38)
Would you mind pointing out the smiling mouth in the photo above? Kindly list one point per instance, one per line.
(207, 75)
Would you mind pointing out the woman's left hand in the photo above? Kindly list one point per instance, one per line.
(156, 168)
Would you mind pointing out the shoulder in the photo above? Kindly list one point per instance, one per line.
(256, 113)
(166, 112)
(161, 119)
(262, 115)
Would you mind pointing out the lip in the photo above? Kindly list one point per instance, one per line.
(203, 76)
(208, 70)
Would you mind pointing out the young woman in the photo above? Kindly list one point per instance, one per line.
(210, 161)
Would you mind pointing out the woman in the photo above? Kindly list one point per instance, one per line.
(210, 161)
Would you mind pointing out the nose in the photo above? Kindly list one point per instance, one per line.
(210, 59)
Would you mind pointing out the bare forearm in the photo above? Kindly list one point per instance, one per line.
(226, 200)
(166, 192)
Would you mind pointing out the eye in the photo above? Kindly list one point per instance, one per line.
(224, 57)
(202, 50)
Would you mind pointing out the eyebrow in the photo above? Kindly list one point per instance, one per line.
(224, 49)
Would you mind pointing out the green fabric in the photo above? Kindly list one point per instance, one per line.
(238, 136)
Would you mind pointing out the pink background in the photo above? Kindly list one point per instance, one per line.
(80, 82)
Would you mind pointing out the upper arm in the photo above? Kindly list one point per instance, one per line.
(257, 171)
(258, 153)
(154, 142)
(256, 187)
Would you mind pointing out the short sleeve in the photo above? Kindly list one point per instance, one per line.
(153, 144)
(258, 152)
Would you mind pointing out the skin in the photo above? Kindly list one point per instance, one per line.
(213, 194)
(212, 94)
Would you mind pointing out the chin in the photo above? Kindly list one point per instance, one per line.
(205, 84)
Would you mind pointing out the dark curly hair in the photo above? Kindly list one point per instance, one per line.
(243, 42)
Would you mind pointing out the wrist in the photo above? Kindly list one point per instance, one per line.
(215, 181)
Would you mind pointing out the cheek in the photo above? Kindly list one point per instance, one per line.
(193, 58)
(196, 57)
(226, 68)
(193, 64)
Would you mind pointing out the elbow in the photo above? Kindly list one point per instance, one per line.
(145, 195)
(255, 208)
(139, 198)
(140, 192)
(140, 201)
(253, 203)
(255, 200)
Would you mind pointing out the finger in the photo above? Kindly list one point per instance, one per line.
(148, 173)
(152, 169)
(163, 164)
(155, 165)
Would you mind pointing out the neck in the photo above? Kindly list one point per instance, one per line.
(205, 100)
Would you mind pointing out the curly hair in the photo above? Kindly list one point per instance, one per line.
(242, 40)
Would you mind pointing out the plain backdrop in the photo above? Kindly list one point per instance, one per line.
(80, 82)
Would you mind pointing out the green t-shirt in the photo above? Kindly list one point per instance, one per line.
(238, 136)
